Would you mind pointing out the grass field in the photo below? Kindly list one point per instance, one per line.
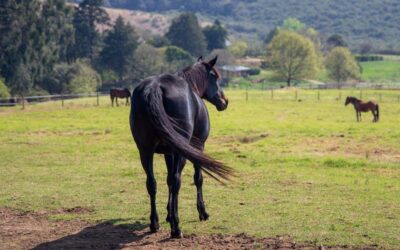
(305, 169)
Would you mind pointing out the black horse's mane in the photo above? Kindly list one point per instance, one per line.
(196, 77)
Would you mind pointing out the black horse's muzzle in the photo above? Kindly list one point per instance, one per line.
(220, 102)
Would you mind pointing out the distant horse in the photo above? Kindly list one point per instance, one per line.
(116, 93)
(168, 116)
(360, 106)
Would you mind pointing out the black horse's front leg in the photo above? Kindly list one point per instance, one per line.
(198, 181)
(179, 163)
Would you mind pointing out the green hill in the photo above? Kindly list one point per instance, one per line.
(359, 21)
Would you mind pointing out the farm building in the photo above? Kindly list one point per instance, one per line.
(230, 71)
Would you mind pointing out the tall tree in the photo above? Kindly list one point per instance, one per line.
(341, 65)
(87, 16)
(186, 33)
(216, 36)
(119, 46)
(33, 35)
(292, 56)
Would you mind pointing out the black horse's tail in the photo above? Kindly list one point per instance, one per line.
(377, 112)
(167, 130)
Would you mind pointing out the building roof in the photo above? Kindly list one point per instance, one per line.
(234, 68)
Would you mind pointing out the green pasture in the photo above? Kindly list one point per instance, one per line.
(305, 167)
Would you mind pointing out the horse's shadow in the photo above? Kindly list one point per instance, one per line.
(105, 235)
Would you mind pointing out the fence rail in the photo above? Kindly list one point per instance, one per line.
(13, 101)
(247, 94)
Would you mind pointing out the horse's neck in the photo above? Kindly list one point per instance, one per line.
(193, 83)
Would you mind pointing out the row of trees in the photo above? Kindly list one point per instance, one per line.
(294, 53)
(50, 46)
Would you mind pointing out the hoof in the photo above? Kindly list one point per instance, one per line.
(176, 235)
(204, 216)
(154, 228)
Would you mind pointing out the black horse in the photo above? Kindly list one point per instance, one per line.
(116, 93)
(168, 116)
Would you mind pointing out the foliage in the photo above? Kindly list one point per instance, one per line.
(335, 40)
(119, 46)
(341, 65)
(87, 16)
(186, 33)
(148, 61)
(34, 36)
(224, 57)
(292, 56)
(75, 78)
(358, 20)
(293, 24)
(238, 48)
(216, 36)
(4, 93)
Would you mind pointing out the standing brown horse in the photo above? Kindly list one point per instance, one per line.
(360, 106)
(116, 93)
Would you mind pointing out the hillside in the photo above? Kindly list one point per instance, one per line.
(359, 21)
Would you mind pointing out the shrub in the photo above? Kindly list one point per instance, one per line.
(4, 93)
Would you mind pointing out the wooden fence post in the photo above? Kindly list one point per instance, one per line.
(272, 94)
(295, 95)
(360, 94)
(318, 97)
(247, 93)
(62, 100)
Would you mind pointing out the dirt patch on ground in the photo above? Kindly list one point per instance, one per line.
(241, 139)
(19, 230)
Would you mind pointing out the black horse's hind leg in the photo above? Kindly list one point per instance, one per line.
(175, 175)
(373, 113)
(116, 101)
(112, 101)
(198, 181)
(127, 101)
(169, 160)
(151, 184)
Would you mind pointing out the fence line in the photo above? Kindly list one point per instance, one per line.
(294, 94)
(13, 101)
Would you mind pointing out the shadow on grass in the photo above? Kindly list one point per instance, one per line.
(105, 235)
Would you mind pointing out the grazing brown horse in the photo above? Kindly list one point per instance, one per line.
(116, 93)
(169, 117)
(360, 106)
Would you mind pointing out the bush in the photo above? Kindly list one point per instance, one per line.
(4, 93)
(78, 77)
(369, 58)
(254, 71)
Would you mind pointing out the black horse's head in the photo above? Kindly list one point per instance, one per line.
(212, 90)
(350, 99)
(347, 101)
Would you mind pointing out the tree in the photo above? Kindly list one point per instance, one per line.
(292, 56)
(34, 36)
(186, 33)
(119, 47)
(148, 61)
(293, 24)
(335, 40)
(215, 36)
(341, 65)
(238, 48)
(4, 93)
(87, 16)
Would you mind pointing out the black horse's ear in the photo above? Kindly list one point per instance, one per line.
(200, 59)
(212, 62)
